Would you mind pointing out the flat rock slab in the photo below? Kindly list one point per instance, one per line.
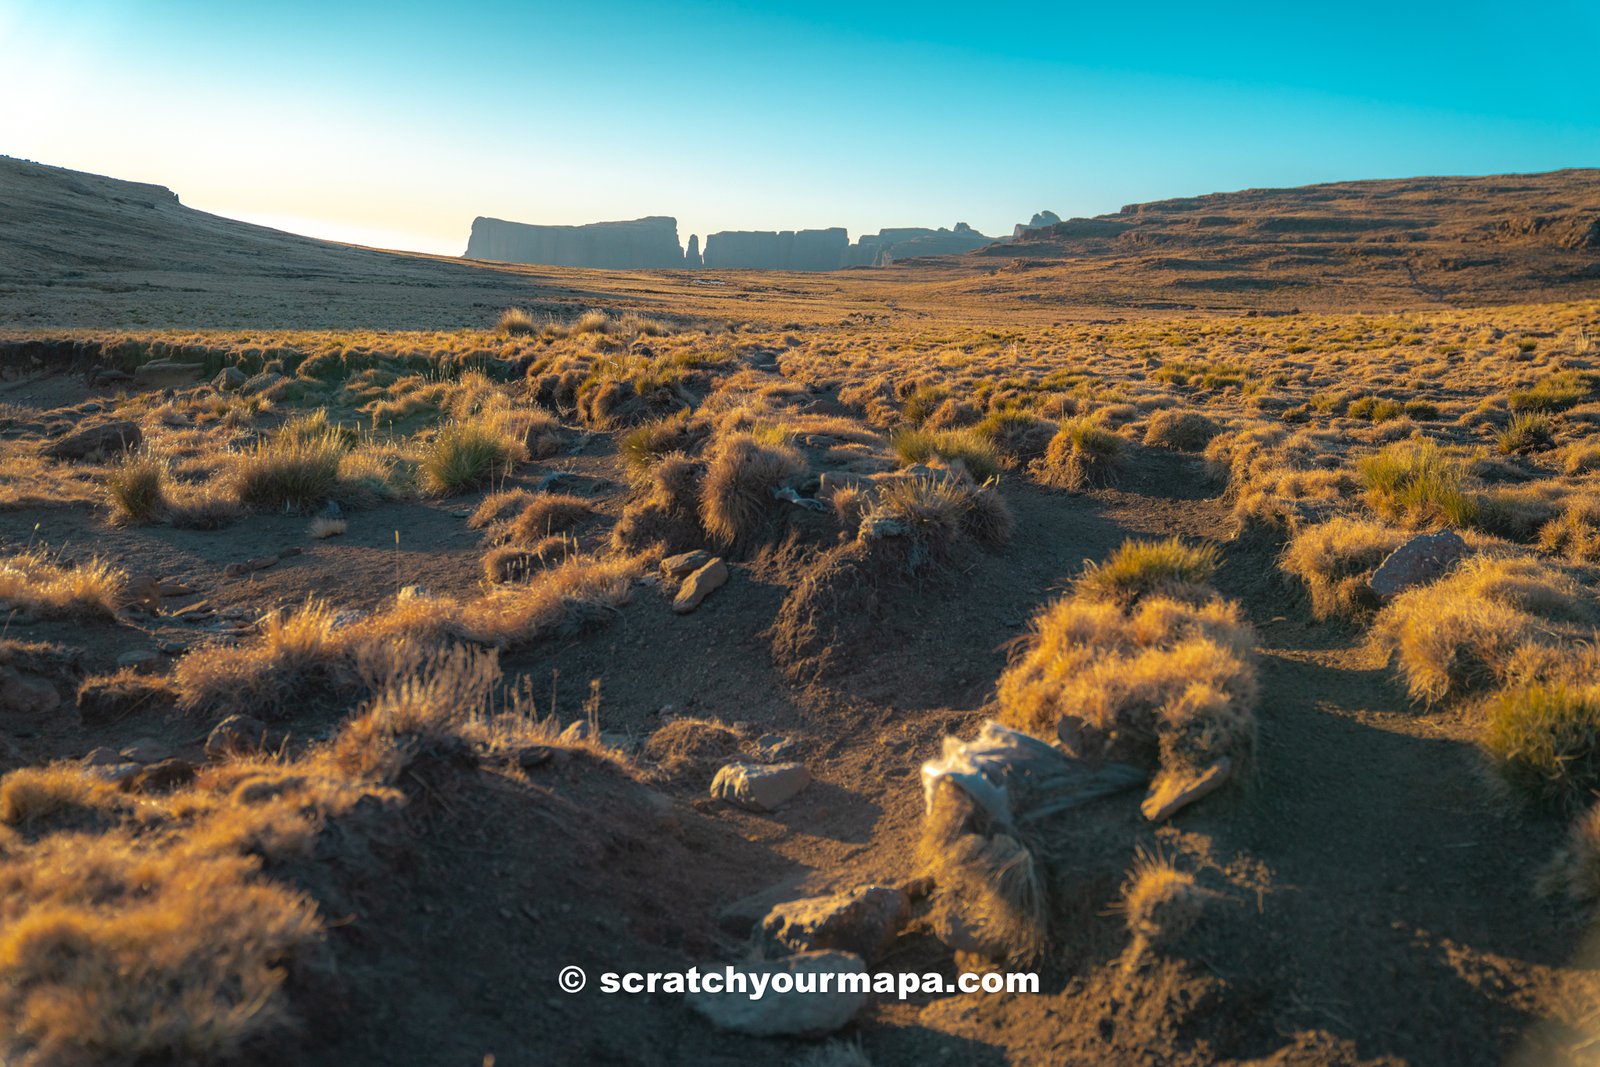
(1171, 793)
(108, 438)
(685, 563)
(698, 586)
(792, 1013)
(1420, 560)
(863, 921)
(162, 374)
(758, 786)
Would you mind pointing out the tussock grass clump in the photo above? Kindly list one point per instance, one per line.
(1489, 621)
(497, 507)
(1528, 431)
(1160, 903)
(935, 514)
(324, 527)
(294, 650)
(1559, 391)
(296, 469)
(515, 322)
(666, 512)
(466, 455)
(1080, 456)
(1141, 568)
(1417, 483)
(976, 454)
(1374, 409)
(135, 488)
(1544, 740)
(1164, 681)
(34, 582)
(1017, 435)
(545, 515)
(61, 795)
(1575, 870)
(1335, 558)
(644, 446)
(736, 493)
(1183, 431)
(693, 749)
(514, 563)
(1575, 534)
(208, 506)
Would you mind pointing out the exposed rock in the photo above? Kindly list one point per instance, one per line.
(685, 563)
(228, 379)
(864, 921)
(641, 243)
(23, 693)
(1420, 560)
(1040, 218)
(890, 246)
(101, 757)
(166, 774)
(116, 773)
(260, 383)
(1171, 793)
(167, 374)
(770, 748)
(138, 657)
(699, 585)
(237, 733)
(692, 258)
(107, 438)
(811, 250)
(759, 787)
(146, 750)
(790, 1013)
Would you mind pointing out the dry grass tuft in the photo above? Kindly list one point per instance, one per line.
(975, 452)
(1142, 568)
(1575, 870)
(323, 528)
(515, 322)
(1160, 903)
(1417, 483)
(134, 488)
(34, 582)
(1185, 431)
(547, 514)
(1544, 740)
(1080, 456)
(467, 455)
(1335, 559)
(736, 494)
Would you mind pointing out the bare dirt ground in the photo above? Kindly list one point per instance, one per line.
(1369, 887)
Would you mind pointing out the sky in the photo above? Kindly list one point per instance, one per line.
(396, 123)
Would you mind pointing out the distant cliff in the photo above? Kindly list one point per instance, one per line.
(640, 244)
(652, 243)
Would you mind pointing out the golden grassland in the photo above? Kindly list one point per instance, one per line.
(1337, 435)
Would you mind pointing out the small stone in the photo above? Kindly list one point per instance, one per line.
(116, 773)
(792, 1013)
(101, 757)
(759, 787)
(146, 750)
(235, 570)
(771, 748)
(261, 563)
(1420, 560)
(236, 733)
(1171, 793)
(864, 921)
(699, 585)
(685, 563)
(137, 657)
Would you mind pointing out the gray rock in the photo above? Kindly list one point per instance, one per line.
(115, 773)
(864, 921)
(228, 379)
(759, 787)
(685, 563)
(137, 657)
(106, 438)
(1422, 559)
(770, 748)
(146, 750)
(791, 1013)
(26, 694)
(167, 374)
(699, 585)
(260, 383)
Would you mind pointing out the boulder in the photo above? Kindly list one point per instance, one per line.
(167, 374)
(146, 750)
(864, 921)
(22, 693)
(104, 439)
(1424, 558)
(138, 657)
(759, 787)
(685, 563)
(699, 585)
(229, 379)
(781, 1009)
(260, 383)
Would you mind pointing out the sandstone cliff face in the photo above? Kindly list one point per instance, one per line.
(887, 246)
(772, 250)
(648, 243)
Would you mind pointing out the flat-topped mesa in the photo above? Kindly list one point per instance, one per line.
(640, 244)
(773, 250)
(887, 246)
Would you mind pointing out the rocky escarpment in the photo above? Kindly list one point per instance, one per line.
(887, 246)
(646, 243)
(774, 250)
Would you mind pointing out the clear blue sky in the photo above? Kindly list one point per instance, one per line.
(398, 122)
